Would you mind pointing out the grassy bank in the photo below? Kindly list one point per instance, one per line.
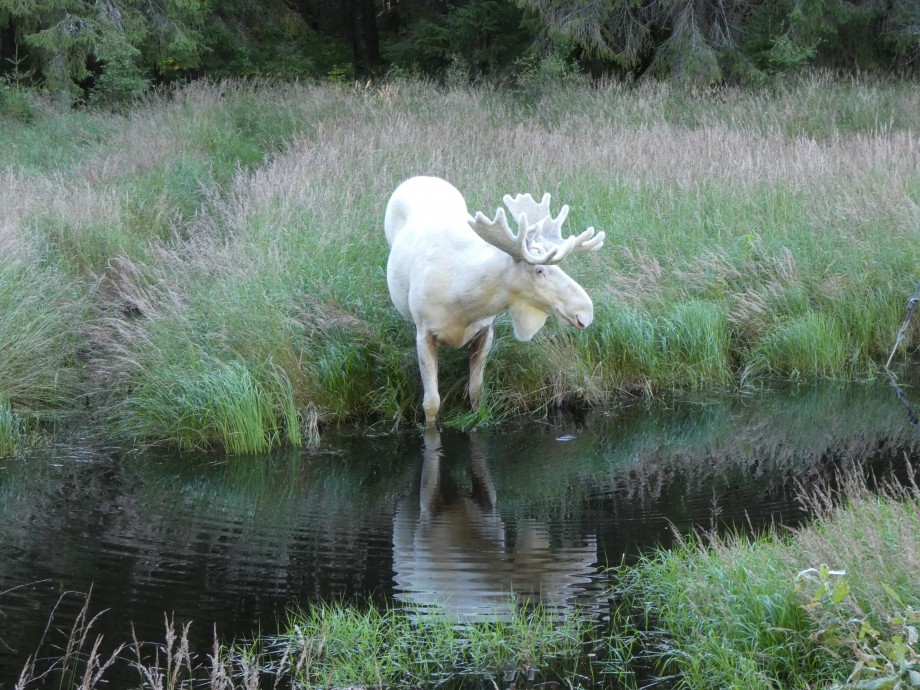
(208, 269)
(834, 604)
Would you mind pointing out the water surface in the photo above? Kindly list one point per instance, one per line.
(455, 521)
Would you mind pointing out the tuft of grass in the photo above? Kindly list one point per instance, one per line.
(10, 429)
(627, 346)
(395, 648)
(694, 341)
(810, 344)
(214, 405)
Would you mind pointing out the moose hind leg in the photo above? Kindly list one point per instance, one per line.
(479, 351)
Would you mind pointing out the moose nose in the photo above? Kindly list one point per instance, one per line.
(583, 320)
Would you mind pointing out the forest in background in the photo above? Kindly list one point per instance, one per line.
(106, 52)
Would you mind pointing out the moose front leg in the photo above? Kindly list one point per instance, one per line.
(427, 346)
(479, 351)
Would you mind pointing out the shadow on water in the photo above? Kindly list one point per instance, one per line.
(452, 520)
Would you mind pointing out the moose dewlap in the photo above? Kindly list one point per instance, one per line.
(452, 274)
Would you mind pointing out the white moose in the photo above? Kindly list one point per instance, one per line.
(452, 274)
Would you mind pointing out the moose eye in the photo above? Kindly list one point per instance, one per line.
(540, 270)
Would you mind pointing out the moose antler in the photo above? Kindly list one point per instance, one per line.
(524, 203)
(539, 238)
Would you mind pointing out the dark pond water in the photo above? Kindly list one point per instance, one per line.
(451, 520)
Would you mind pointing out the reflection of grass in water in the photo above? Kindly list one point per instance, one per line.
(770, 435)
(275, 486)
(340, 486)
(760, 442)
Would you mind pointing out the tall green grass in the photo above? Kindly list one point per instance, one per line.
(10, 429)
(239, 223)
(216, 404)
(394, 648)
(831, 604)
(42, 314)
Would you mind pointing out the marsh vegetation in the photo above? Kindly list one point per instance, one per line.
(207, 270)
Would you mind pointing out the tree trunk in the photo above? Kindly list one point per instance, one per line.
(362, 18)
(7, 47)
(702, 14)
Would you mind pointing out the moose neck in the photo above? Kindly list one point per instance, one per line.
(508, 285)
(487, 286)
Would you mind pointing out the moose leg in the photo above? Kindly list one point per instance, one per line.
(479, 350)
(427, 347)
(483, 488)
(430, 501)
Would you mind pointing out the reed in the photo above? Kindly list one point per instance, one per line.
(750, 236)
(10, 429)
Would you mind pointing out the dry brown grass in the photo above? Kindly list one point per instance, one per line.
(86, 661)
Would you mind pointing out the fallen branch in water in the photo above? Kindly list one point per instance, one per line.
(911, 308)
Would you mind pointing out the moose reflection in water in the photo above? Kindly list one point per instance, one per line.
(453, 552)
